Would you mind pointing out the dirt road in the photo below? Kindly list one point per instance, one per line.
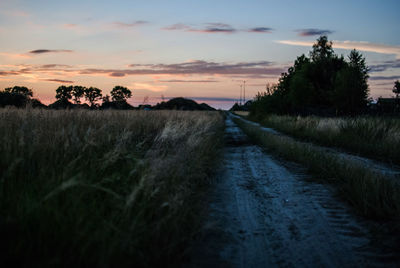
(264, 212)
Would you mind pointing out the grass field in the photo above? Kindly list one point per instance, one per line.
(99, 188)
(375, 137)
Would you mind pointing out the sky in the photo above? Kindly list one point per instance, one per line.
(203, 50)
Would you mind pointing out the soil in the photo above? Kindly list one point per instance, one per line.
(265, 212)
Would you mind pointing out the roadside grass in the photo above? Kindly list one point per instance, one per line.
(375, 137)
(102, 188)
(242, 113)
(372, 194)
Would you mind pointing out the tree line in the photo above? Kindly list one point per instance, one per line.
(93, 95)
(69, 97)
(396, 89)
(21, 96)
(323, 83)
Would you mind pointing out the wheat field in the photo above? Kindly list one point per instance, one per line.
(93, 188)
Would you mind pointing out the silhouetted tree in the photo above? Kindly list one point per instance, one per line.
(64, 93)
(106, 98)
(351, 85)
(120, 93)
(319, 84)
(324, 67)
(78, 92)
(20, 90)
(396, 88)
(302, 93)
(92, 94)
(357, 61)
(11, 99)
(235, 107)
(322, 49)
(19, 97)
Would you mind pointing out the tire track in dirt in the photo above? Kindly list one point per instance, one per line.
(266, 213)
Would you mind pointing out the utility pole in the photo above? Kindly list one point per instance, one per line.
(240, 100)
(244, 92)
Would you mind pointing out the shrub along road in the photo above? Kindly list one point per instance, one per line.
(264, 212)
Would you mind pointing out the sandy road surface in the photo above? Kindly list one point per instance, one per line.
(265, 213)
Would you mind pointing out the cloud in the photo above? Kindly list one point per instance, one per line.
(313, 31)
(296, 43)
(258, 69)
(393, 77)
(117, 74)
(53, 66)
(8, 73)
(78, 28)
(381, 67)
(208, 28)
(70, 25)
(218, 28)
(220, 99)
(214, 99)
(42, 51)
(26, 69)
(120, 24)
(188, 81)
(261, 30)
(59, 81)
(155, 88)
(214, 27)
(14, 55)
(359, 45)
(384, 83)
(177, 26)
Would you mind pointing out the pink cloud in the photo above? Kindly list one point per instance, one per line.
(259, 69)
(70, 26)
(15, 55)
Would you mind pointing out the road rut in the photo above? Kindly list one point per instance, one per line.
(264, 212)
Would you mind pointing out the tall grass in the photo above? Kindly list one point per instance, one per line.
(371, 193)
(374, 137)
(101, 188)
(242, 113)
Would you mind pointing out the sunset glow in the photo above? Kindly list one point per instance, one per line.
(202, 50)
